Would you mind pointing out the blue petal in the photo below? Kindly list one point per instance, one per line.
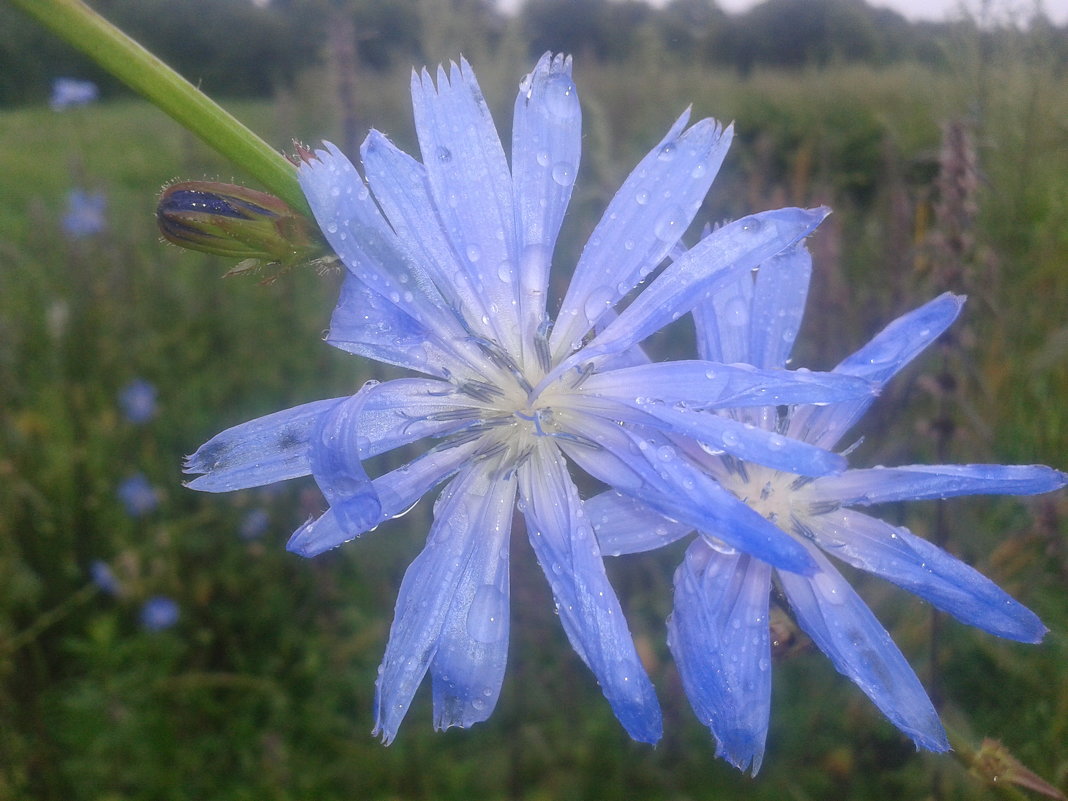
(398, 491)
(757, 321)
(714, 262)
(472, 188)
(625, 525)
(722, 322)
(641, 225)
(926, 570)
(356, 230)
(713, 385)
(262, 451)
(402, 189)
(718, 634)
(468, 512)
(717, 434)
(843, 627)
(368, 324)
(589, 611)
(468, 667)
(779, 305)
(878, 361)
(408, 409)
(336, 464)
(546, 145)
(647, 466)
(926, 482)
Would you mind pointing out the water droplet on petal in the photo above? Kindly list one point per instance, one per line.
(561, 96)
(487, 619)
(598, 300)
(667, 152)
(828, 587)
(736, 312)
(668, 226)
(563, 173)
(641, 197)
(444, 154)
(543, 158)
(474, 253)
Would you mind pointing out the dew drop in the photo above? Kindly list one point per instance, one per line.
(444, 154)
(752, 224)
(488, 616)
(667, 152)
(563, 173)
(828, 588)
(736, 312)
(474, 253)
(598, 300)
(543, 158)
(668, 226)
(504, 271)
(561, 97)
(665, 453)
(641, 197)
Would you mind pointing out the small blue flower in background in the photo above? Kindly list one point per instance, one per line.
(137, 495)
(103, 577)
(85, 215)
(137, 400)
(71, 92)
(718, 631)
(159, 612)
(448, 266)
(254, 523)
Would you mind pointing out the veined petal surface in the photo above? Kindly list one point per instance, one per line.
(567, 550)
(719, 636)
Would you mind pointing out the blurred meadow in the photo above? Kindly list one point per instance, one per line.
(944, 174)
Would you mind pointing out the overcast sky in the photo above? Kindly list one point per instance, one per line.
(934, 10)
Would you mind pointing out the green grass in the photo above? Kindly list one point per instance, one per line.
(264, 688)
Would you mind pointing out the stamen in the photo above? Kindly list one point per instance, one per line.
(800, 481)
(824, 507)
(541, 345)
(480, 390)
(577, 439)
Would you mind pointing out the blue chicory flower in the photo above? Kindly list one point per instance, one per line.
(254, 523)
(159, 612)
(137, 400)
(72, 92)
(85, 215)
(137, 495)
(718, 632)
(448, 275)
(104, 578)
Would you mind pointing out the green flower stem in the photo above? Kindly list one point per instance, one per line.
(83, 28)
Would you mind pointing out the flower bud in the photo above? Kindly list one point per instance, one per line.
(238, 222)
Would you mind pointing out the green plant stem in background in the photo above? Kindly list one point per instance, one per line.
(83, 28)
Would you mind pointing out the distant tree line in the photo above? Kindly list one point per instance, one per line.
(241, 48)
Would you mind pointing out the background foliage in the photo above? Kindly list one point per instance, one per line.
(263, 688)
